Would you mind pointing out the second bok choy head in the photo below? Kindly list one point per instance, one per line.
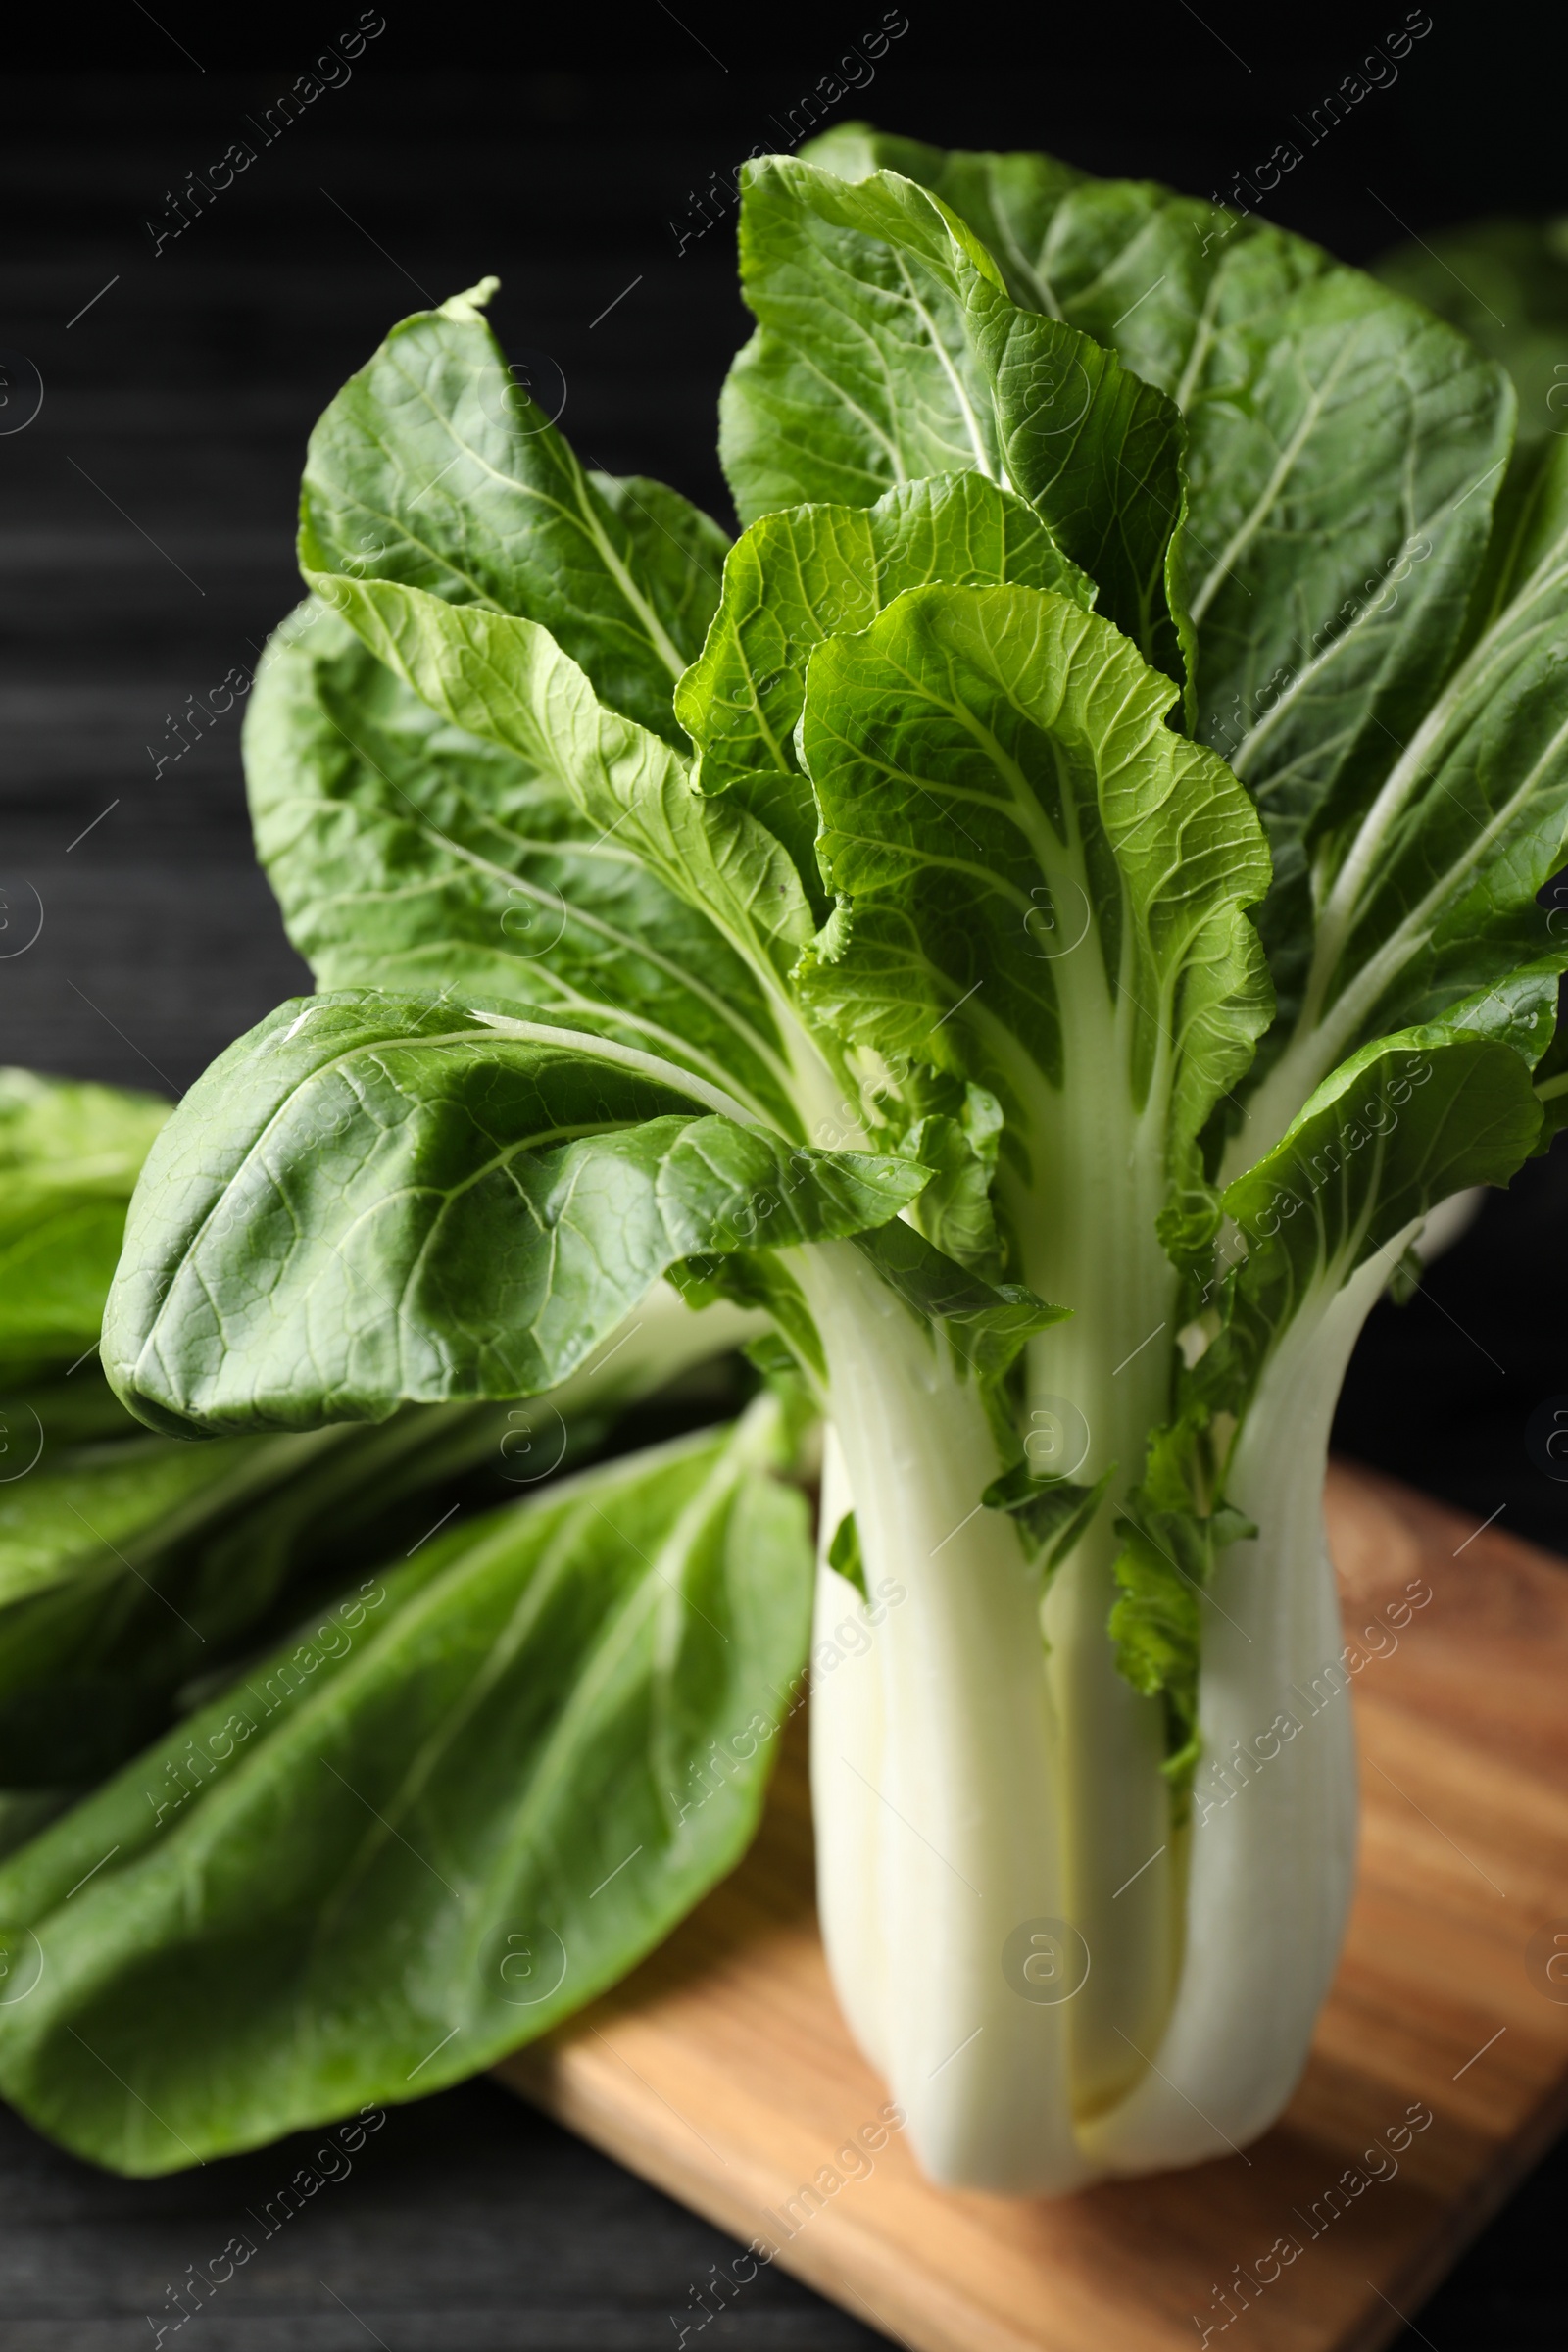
(1043, 916)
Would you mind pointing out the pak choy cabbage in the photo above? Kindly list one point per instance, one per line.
(133, 1568)
(1042, 918)
(164, 1605)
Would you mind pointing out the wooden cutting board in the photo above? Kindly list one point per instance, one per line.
(722, 2072)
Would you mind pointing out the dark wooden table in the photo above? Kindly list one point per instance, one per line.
(146, 537)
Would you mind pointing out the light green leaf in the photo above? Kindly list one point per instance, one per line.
(1404, 1123)
(1009, 200)
(1156, 1632)
(411, 855)
(812, 572)
(68, 1157)
(887, 349)
(861, 373)
(1046, 883)
(371, 1200)
(954, 1210)
(437, 467)
(375, 1865)
(57, 1130)
(1412, 821)
(510, 682)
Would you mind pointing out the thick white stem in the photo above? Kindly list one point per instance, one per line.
(933, 1764)
(849, 1746)
(1097, 1384)
(1121, 1864)
(1272, 1842)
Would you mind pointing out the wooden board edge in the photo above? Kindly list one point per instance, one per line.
(618, 2132)
(1465, 2218)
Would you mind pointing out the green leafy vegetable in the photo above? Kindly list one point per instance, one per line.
(1037, 925)
(433, 1824)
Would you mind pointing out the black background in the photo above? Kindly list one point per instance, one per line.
(145, 529)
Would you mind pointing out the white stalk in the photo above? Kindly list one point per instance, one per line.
(933, 1777)
(1272, 1842)
(849, 1750)
(1121, 1863)
(1097, 1384)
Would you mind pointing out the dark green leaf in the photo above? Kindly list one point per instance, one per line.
(411, 855)
(1552, 1089)
(371, 1200)
(1427, 898)
(394, 1851)
(844, 1558)
(1054, 1510)
(68, 1157)
(1156, 1634)
(1171, 1527)
(982, 1325)
(759, 1282)
(84, 1545)
(1404, 1123)
(132, 1569)
(887, 350)
(437, 465)
(509, 681)
(1505, 284)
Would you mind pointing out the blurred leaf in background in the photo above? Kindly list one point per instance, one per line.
(1506, 283)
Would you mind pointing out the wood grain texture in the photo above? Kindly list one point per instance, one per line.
(722, 2071)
